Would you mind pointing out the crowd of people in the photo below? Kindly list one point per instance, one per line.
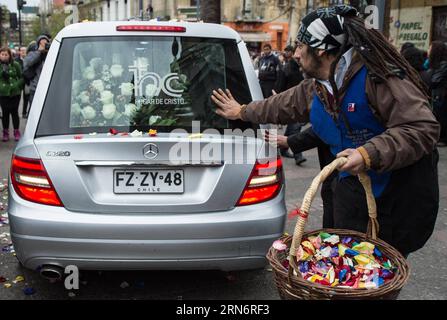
(19, 73)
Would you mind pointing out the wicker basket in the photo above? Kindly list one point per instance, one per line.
(294, 287)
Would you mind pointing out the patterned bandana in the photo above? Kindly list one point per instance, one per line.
(323, 28)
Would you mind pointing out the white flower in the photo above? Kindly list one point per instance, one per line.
(153, 119)
(136, 133)
(75, 109)
(108, 111)
(106, 97)
(130, 108)
(151, 90)
(116, 70)
(98, 85)
(126, 89)
(84, 97)
(88, 113)
(89, 73)
(75, 87)
(95, 62)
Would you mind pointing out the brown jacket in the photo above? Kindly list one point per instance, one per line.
(411, 128)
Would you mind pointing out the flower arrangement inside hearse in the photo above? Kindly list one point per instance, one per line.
(103, 96)
(343, 262)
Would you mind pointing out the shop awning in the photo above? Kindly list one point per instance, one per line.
(255, 36)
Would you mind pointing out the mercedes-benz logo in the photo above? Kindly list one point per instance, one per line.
(150, 151)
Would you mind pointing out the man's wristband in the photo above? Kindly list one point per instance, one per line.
(365, 157)
(242, 110)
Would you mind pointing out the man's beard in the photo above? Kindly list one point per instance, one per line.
(313, 70)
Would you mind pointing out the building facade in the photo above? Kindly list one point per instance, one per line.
(277, 21)
(29, 16)
(418, 21)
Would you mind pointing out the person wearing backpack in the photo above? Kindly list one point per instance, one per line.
(33, 64)
(11, 85)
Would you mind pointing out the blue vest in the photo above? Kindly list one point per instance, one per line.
(362, 122)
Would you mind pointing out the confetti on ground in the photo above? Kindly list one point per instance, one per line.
(29, 291)
(2, 279)
(7, 285)
(8, 249)
(19, 279)
(92, 134)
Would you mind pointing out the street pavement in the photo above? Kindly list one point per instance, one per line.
(428, 280)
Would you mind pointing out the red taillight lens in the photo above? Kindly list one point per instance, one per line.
(264, 183)
(31, 182)
(151, 28)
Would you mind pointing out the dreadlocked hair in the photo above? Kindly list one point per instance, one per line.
(379, 56)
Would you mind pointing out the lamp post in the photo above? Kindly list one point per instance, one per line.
(20, 4)
(140, 4)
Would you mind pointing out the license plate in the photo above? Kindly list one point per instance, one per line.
(148, 181)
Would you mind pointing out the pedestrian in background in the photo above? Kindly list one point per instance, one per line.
(25, 92)
(269, 67)
(33, 63)
(11, 85)
(415, 58)
(405, 46)
(290, 76)
(436, 79)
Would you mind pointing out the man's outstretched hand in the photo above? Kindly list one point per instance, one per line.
(227, 107)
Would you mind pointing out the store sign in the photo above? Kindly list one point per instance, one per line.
(414, 26)
(276, 27)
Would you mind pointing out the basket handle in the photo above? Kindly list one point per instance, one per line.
(373, 225)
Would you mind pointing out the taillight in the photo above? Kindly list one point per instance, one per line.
(264, 183)
(31, 181)
(151, 28)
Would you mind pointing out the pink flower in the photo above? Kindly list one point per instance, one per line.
(279, 245)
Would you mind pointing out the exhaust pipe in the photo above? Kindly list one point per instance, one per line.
(52, 272)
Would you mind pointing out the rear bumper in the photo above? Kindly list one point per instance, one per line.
(231, 240)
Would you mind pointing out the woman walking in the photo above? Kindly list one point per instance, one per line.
(11, 85)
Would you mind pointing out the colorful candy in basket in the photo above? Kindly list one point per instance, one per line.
(342, 262)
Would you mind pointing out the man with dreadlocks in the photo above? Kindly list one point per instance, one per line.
(370, 106)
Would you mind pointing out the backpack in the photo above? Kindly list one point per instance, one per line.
(29, 74)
